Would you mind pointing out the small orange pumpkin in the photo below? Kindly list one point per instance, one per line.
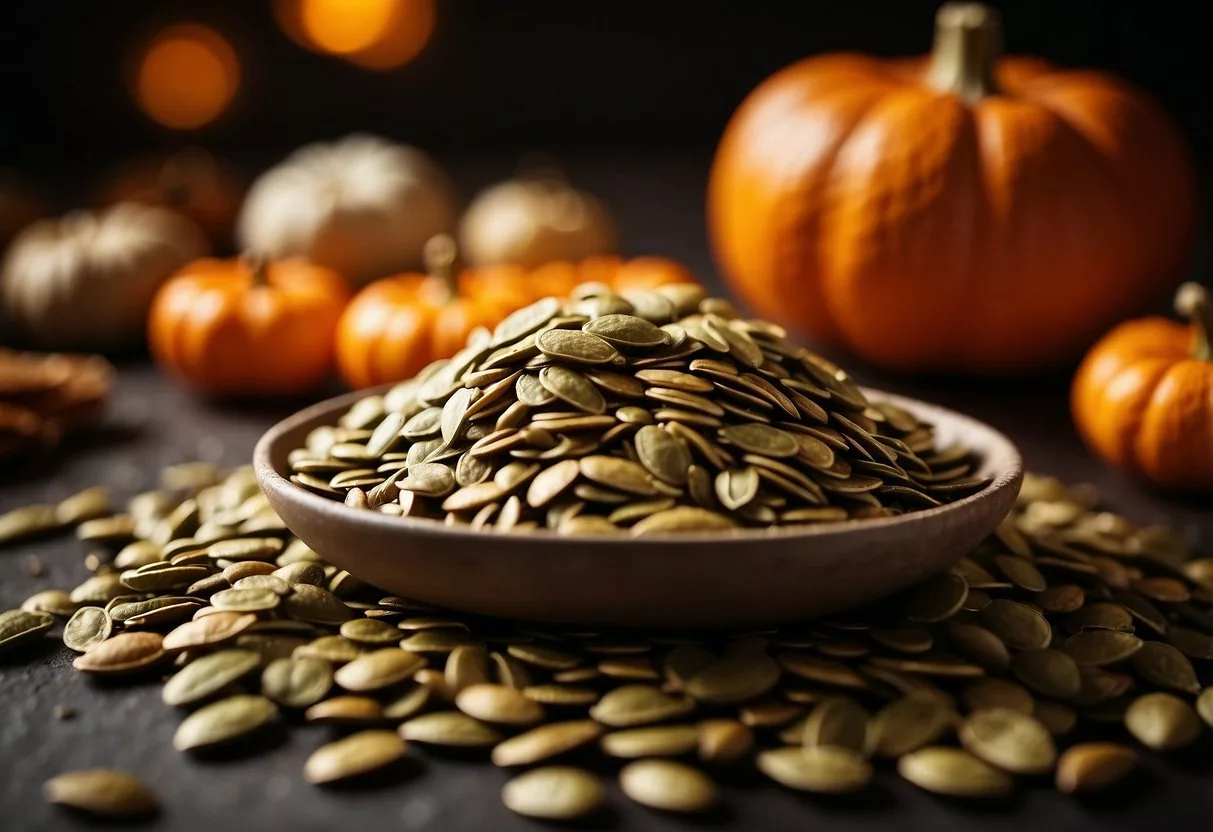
(1143, 397)
(249, 328)
(396, 326)
(965, 211)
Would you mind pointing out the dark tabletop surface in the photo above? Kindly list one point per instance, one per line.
(658, 199)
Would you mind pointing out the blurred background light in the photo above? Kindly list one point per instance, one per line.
(187, 76)
(372, 34)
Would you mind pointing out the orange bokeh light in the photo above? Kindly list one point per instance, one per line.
(345, 26)
(187, 76)
(373, 34)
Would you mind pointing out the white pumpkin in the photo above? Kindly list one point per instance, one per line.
(361, 206)
(530, 222)
(86, 281)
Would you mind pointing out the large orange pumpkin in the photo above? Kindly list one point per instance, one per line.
(1143, 398)
(956, 212)
(396, 326)
(248, 328)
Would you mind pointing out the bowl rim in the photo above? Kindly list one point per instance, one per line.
(271, 479)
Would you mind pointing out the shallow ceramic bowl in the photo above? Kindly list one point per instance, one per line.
(742, 578)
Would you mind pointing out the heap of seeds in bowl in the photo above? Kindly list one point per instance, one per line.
(659, 411)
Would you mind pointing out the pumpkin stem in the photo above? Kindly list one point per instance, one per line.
(441, 257)
(257, 266)
(1193, 302)
(173, 184)
(968, 41)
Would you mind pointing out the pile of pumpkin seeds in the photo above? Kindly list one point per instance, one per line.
(1062, 644)
(648, 412)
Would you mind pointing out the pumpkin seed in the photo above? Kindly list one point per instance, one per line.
(1163, 665)
(498, 704)
(953, 772)
(104, 793)
(1094, 766)
(724, 740)
(26, 522)
(450, 728)
(346, 710)
(545, 742)
(21, 627)
(667, 785)
(296, 682)
(1162, 721)
(735, 679)
(653, 741)
(211, 630)
(905, 725)
(554, 793)
(1010, 740)
(823, 769)
(353, 756)
(208, 675)
(837, 721)
(223, 722)
(1048, 672)
(124, 653)
(89, 504)
(370, 632)
(1017, 625)
(634, 705)
(378, 669)
(87, 628)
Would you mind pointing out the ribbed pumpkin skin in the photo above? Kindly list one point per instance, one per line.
(232, 328)
(853, 202)
(1143, 402)
(396, 326)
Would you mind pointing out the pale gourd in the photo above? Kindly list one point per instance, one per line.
(85, 281)
(529, 222)
(361, 206)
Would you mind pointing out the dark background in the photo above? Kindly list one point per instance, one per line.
(540, 74)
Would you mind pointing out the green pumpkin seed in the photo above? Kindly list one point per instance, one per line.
(450, 728)
(223, 722)
(905, 725)
(1017, 625)
(654, 741)
(1162, 721)
(378, 669)
(554, 793)
(27, 522)
(953, 772)
(208, 675)
(724, 740)
(1094, 766)
(669, 786)
(1163, 665)
(735, 679)
(296, 682)
(353, 756)
(20, 627)
(1009, 740)
(87, 628)
(822, 769)
(123, 653)
(104, 793)
(635, 705)
(837, 721)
